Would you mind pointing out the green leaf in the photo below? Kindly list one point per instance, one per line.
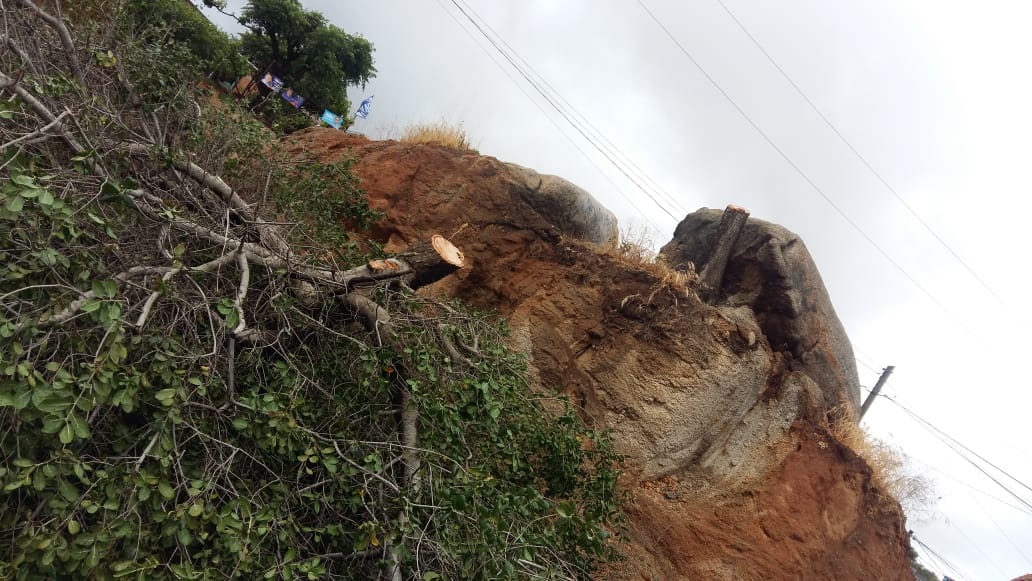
(165, 396)
(23, 180)
(81, 428)
(165, 489)
(21, 400)
(196, 509)
(232, 319)
(68, 492)
(66, 434)
(90, 305)
(15, 204)
(73, 527)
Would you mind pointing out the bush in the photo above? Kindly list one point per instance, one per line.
(184, 390)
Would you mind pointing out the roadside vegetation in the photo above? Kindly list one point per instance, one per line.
(194, 381)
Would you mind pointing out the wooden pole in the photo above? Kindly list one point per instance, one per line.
(722, 243)
(874, 392)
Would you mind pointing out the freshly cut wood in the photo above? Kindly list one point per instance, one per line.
(723, 242)
(386, 265)
(430, 261)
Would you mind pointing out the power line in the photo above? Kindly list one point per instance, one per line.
(937, 555)
(988, 559)
(466, 11)
(806, 177)
(968, 485)
(595, 132)
(953, 445)
(859, 156)
(1002, 532)
(544, 114)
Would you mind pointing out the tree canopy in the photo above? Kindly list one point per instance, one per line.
(315, 57)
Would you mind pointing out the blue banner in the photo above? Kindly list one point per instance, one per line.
(273, 82)
(292, 97)
(332, 119)
(363, 109)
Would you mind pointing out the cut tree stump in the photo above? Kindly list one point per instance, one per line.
(722, 243)
(429, 261)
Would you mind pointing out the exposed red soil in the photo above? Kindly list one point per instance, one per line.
(585, 316)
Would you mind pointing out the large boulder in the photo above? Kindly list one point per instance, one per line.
(427, 187)
(732, 475)
(772, 273)
(575, 211)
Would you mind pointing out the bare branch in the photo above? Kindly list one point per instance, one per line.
(37, 133)
(245, 280)
(62, 33)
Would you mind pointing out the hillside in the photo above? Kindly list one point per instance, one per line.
(721, 410)
(227, 353)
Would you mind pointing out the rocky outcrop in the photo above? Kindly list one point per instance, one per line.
(420, 187)
(716, 407)
(772, 273)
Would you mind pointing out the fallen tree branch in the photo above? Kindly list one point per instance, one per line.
(245, 281)
(37, 133)
(62, 33)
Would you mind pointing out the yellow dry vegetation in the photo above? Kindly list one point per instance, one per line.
(891, 469)
(637, 249)
(441, 133)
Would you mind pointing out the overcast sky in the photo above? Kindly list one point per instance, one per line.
(934, 95)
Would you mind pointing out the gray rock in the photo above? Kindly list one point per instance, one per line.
(772, 272)
(571, 208)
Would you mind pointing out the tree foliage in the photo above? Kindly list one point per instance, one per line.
(184, 389)
(315, 57)
(214, 50)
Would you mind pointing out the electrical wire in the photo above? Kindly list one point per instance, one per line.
(937, 555)
(544, 114)
(1002, 532)
(562, 113)
(594, 131)
(956, 447)
(1020, 509)
(972, 543)
(859, 156)
(807, 178)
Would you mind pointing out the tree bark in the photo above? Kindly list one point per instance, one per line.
(430, 260)
(723, 242)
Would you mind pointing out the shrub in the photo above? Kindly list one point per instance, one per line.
(184, 390)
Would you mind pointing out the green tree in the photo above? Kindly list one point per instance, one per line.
(315, 57)
(215, 51)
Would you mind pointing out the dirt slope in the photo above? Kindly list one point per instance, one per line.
(731, 475)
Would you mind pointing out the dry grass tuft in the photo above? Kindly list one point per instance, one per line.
(442, 133)
(637, 250)
(638, 244)
(890, 467)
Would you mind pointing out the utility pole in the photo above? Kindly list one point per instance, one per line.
(877, 387)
